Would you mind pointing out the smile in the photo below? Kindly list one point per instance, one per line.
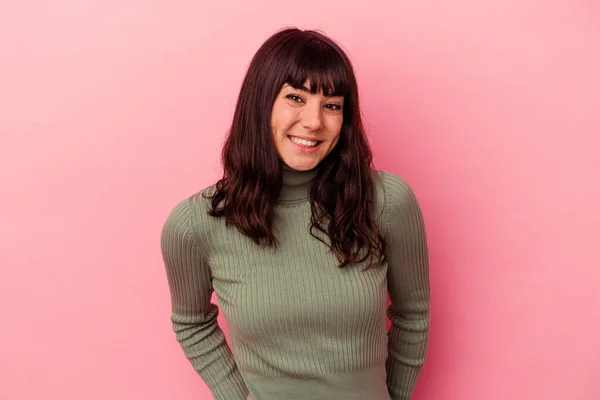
(304, 142)
(305, 146)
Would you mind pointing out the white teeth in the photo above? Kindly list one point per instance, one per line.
(303, 142)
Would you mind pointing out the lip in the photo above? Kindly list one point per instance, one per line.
(306, 138)
(304, 149)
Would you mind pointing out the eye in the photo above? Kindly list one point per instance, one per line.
(294, 97)
(334, 107)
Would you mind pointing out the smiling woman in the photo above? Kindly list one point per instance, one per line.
(305, 126)
(319, 236)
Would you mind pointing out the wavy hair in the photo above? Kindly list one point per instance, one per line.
(342, 192)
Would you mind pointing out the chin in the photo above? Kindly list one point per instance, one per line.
(301, 165)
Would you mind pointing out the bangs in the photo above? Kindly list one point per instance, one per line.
(323, 66)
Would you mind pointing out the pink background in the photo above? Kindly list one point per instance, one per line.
(112, 111)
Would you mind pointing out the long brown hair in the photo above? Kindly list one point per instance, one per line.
(342, 192)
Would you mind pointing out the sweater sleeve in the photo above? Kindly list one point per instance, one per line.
(194, 317)
(408, 287)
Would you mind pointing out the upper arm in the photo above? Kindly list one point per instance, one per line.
(406, 247)
(188, 273)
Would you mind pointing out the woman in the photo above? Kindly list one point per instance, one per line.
(300, 240)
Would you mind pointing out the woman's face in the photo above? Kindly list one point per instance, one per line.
(305, 126)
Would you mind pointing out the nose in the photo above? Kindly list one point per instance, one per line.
(311, 117)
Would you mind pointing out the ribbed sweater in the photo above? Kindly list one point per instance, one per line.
(300, 327)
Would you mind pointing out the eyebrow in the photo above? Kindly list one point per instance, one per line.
(307, 90)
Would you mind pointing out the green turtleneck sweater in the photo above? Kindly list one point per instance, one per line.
(300, 327)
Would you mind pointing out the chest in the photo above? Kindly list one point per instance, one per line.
(296, 288)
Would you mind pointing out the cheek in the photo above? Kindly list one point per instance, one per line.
(336, 140)
(334, 126)
(281, 121)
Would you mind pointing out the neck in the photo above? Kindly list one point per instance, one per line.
(295, 184)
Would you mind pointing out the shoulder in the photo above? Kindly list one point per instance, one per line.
(391, 187)
(394, 187)
(394, 195)
(188, 217)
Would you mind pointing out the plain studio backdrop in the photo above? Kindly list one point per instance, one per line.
(113, 111)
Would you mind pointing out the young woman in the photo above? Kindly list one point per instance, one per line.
(300, 239)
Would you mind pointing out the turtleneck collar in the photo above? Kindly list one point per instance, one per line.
(295, 184)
